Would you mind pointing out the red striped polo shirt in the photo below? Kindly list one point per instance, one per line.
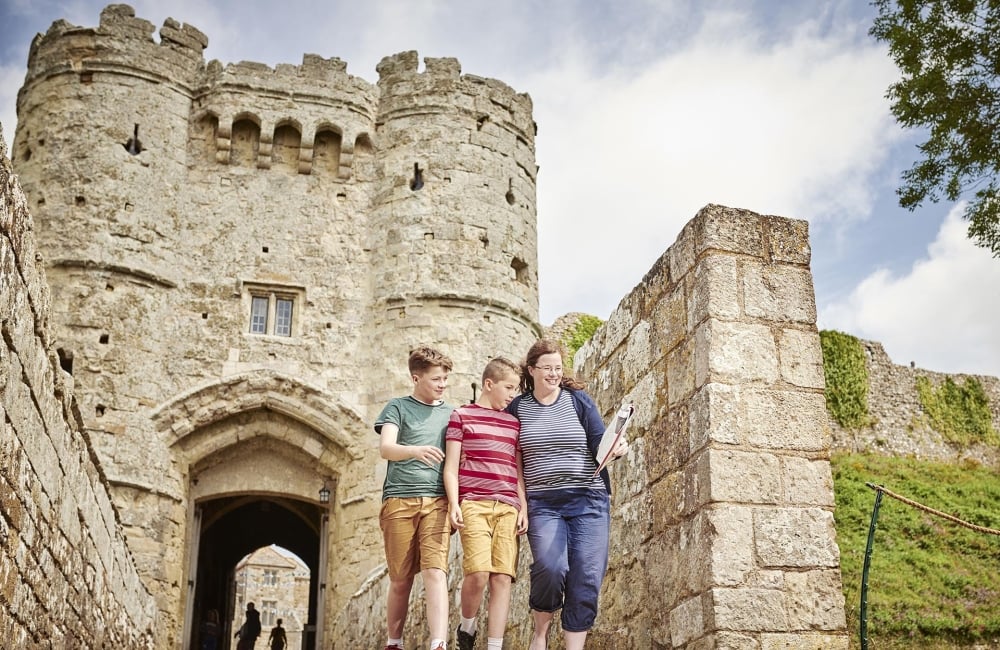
(488, 467)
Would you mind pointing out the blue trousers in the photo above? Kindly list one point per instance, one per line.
(568, 533)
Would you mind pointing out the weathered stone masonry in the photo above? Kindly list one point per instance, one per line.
(389, 215)
(67, 578)
(723, 515)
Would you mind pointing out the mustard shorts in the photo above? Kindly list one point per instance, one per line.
(489, 538)
(416, 534)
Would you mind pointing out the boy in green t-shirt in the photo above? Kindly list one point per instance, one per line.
(414, 516)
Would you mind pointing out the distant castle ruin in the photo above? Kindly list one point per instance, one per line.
(211, 282)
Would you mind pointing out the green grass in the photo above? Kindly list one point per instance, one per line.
(932, 584)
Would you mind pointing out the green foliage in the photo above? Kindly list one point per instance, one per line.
(932, 583)
(579, 334)
(949, 54)
(959, 413)
(846, 379)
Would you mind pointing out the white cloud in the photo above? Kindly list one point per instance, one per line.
(11, 77)
(796, 128)
(942, 314)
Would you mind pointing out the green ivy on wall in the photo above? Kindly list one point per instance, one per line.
(846, 379)
(959, 413)
(579, 334)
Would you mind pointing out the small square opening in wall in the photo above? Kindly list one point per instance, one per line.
(204, 315)
(104, 339)
(264, 249)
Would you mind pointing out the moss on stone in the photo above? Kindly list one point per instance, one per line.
(846, 379)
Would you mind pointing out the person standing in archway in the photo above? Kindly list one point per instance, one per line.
(250, 629)
(277, 639)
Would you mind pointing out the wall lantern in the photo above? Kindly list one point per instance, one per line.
(324, 493)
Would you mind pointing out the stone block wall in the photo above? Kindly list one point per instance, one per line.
(722, 530)
(67, 578)
(899, 425)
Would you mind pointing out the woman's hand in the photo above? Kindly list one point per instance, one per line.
(620, 449)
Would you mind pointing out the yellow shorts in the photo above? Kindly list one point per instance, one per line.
(416, 534)
(489, 538)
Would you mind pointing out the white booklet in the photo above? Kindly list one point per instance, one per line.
(612, 435)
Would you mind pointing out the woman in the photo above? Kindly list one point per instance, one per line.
(210, 631)
(569, 507)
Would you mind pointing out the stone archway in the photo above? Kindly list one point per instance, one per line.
(255, 449)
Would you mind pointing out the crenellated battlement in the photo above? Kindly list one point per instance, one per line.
(404, 89)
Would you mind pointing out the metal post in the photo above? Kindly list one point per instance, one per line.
(867, 565)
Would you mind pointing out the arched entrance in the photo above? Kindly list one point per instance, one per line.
(257, 448)
(232, 527)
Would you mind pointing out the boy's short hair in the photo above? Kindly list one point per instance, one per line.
(499, 367)
(423, 359)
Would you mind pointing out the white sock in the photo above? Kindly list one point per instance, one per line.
(438, 642)
(396, 642)
(468, 625)
(494, 644)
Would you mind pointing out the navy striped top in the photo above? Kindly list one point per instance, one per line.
(553, 445)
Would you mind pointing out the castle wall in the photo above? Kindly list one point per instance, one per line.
(387, 216)
(899, 425)
(454, 259)
(249, 186)
(727, 488)
(67, 577)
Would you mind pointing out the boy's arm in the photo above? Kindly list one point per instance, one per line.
(453, 453)
(522, 494)
(390, 449)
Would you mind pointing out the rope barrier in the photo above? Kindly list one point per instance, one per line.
(937, 513)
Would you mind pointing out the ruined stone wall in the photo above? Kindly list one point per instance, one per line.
(899, 425)
(722, 524)
(67, 577)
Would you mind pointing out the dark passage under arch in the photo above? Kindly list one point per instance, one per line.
(234, 526)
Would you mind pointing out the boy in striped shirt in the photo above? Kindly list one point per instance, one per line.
(486, 499)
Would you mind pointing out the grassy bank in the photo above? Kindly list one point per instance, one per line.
(932, 584)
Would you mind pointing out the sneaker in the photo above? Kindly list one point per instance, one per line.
(466, 641)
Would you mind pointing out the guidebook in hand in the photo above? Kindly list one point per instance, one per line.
(612, 435)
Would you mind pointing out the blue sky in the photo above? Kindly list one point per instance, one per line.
(647, 111)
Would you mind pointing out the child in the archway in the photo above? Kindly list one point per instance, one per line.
(486, 499)
(277, 640)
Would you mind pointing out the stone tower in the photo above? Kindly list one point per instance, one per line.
(240, 258)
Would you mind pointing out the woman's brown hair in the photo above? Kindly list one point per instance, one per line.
(539, 349)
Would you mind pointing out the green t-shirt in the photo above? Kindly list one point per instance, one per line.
(419, 424)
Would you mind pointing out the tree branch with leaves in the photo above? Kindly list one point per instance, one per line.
(949, 54)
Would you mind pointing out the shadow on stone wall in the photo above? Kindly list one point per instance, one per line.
(67, 578)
